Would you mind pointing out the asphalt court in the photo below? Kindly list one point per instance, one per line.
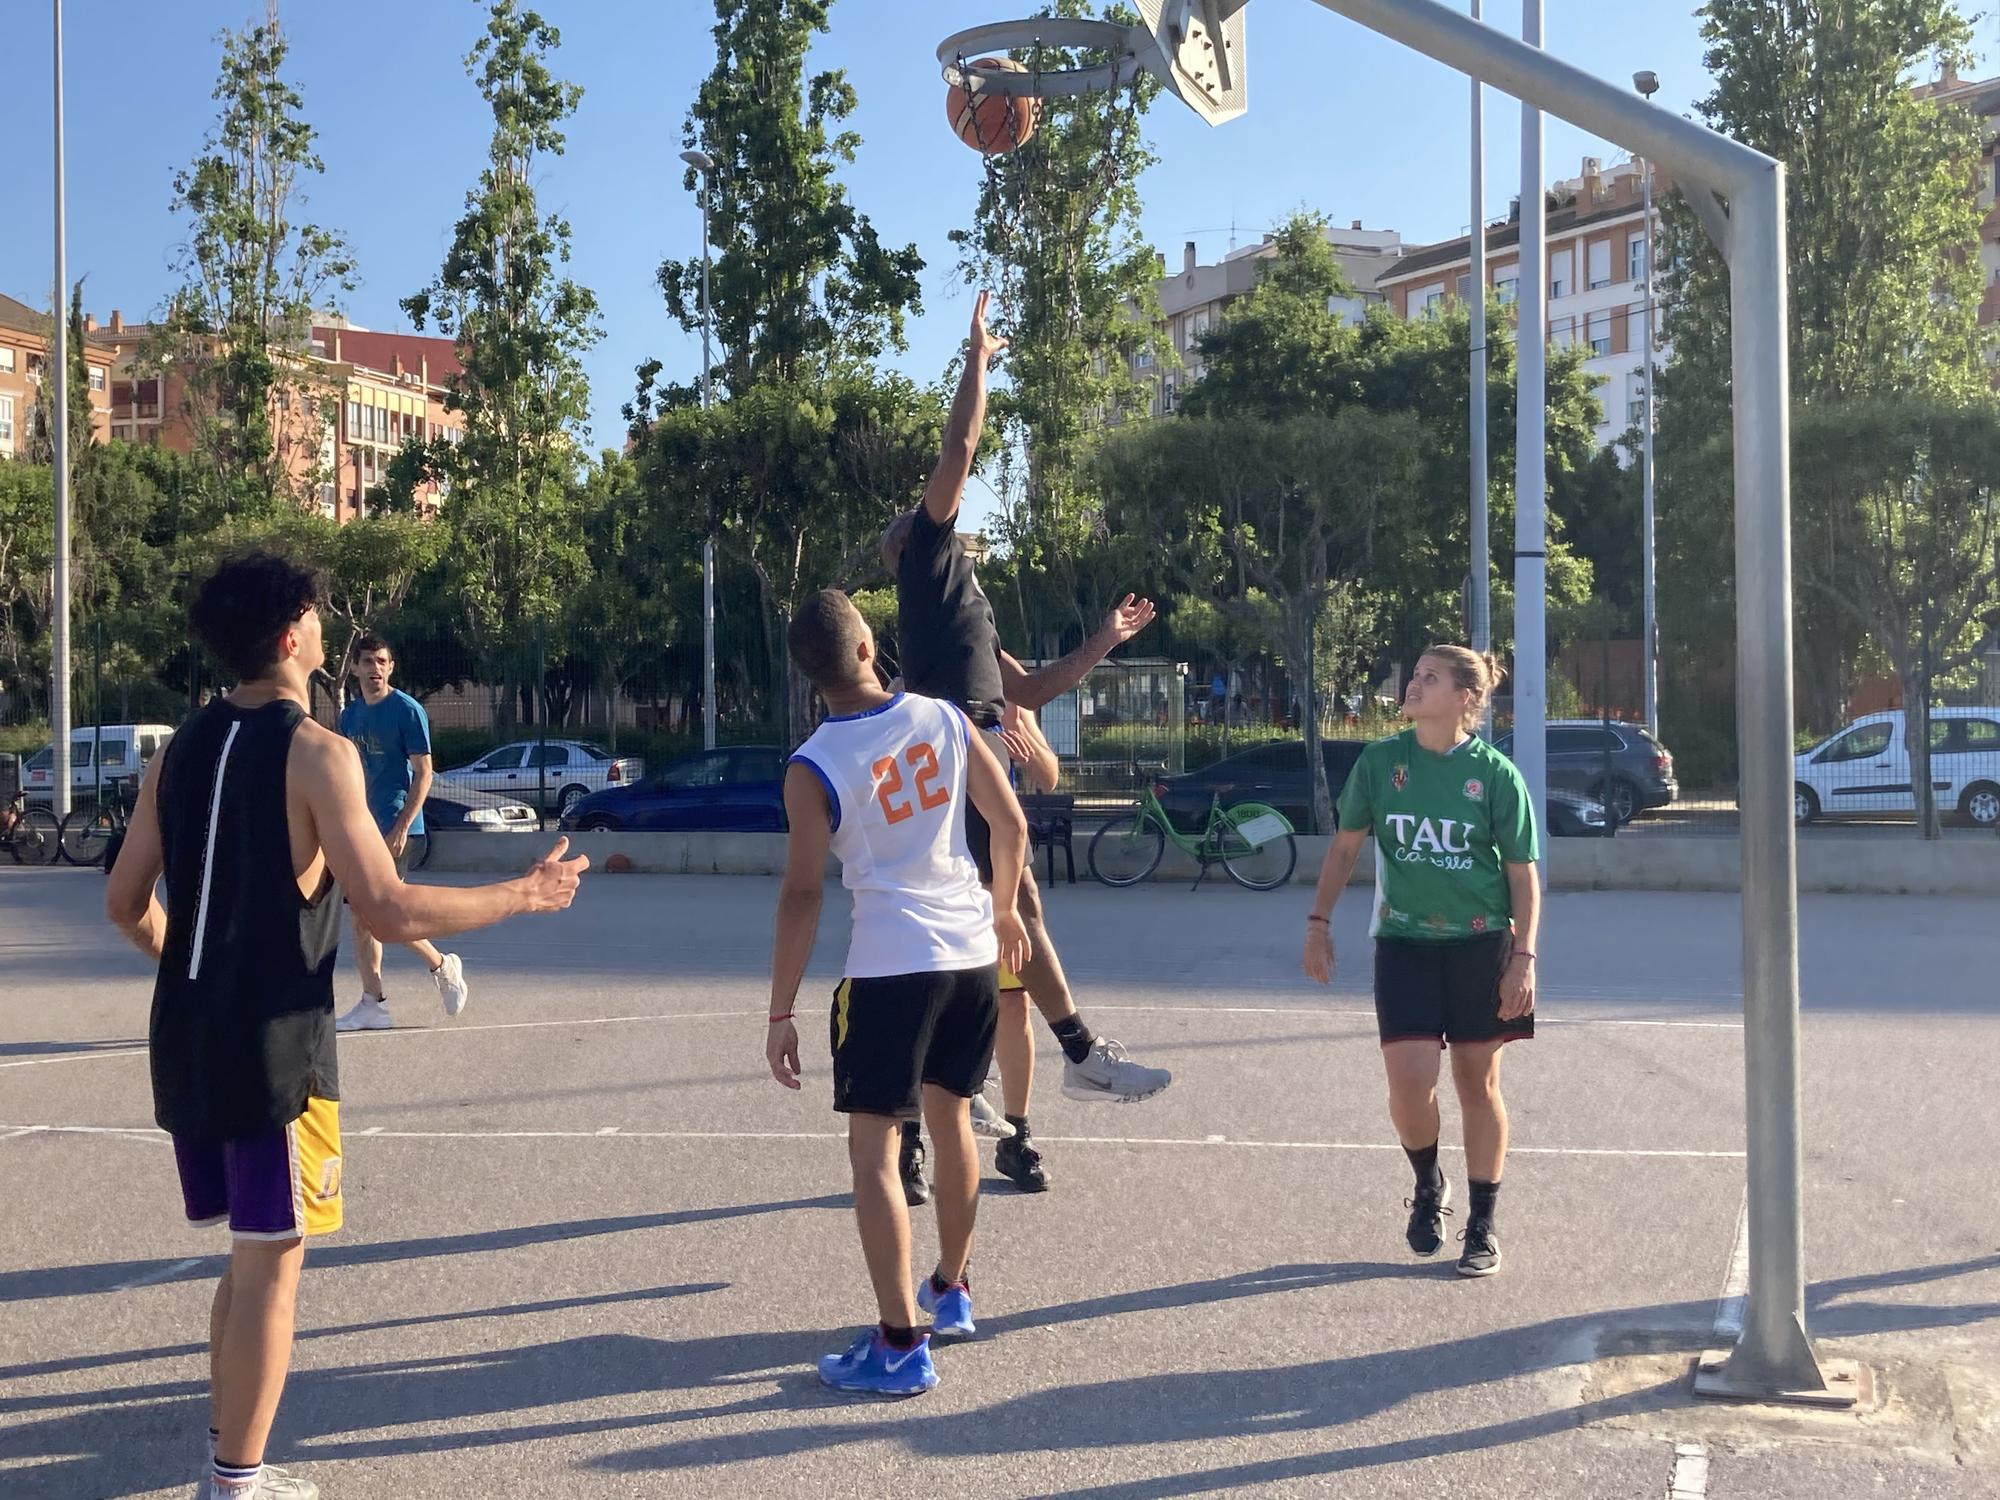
(591, 1247)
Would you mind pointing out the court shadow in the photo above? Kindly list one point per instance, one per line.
(69, 1049)
(106, 1276)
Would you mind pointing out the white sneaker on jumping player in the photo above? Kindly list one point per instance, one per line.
(988, 1121)
(452, 988)
(1108, 1076)
(369, 1014)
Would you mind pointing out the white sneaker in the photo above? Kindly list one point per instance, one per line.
(452, 988)
(369, 1014)
(1108, 1076)
(272, 1484)
(988, 1121)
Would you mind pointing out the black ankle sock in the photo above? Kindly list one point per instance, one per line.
(1424, 1162)
(941, 1286)
(1483, 1196)
(899, 1339)
(1075, 1037)
(1020, 1124)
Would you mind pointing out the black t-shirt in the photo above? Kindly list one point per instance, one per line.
(945, 625)
(242, 1027)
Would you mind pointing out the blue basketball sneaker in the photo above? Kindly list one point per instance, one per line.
(871, 1368)
(950, 1309)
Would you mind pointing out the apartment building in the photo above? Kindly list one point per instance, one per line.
(1194, 300)
(384, 389)
(1595, 274)
(1982, 97)
(25, 337)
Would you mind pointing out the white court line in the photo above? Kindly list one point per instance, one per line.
(19, 1131)
(1736, 1281)
(1320, 1010)
(1689, 1480)
(160, 1273)
(1211, 1142)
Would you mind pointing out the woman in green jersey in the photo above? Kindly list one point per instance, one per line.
(1457, 907)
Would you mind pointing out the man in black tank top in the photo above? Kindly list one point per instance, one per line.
(256, 818)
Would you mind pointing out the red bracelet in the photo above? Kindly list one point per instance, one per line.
(785, 1017)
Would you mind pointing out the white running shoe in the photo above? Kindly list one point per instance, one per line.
(452, 988)
(1108, 1076)
(272, 1484)
(988, 1121)
(369, 1014)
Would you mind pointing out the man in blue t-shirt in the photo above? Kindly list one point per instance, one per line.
(393, 734)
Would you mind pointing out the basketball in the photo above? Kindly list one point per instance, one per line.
(618, 864)
(990, 123)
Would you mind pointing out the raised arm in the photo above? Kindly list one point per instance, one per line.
(1041, 687)
(962, 429)
(328, 772)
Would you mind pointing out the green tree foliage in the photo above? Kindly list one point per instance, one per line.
(1882, 238)
(238, 330)
(1056, 230)
(802, 285)
(521, 329)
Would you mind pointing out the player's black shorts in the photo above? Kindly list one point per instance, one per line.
(892, 1036)
(1444, 991)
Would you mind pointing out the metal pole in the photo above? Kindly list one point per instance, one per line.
(708, 708)
(1531, 461)
(59, 639)
(541, 709)
(97, 710)
(1481, 593)
(1651, 625)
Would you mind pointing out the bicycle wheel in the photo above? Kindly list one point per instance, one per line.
(1126, 850)
(86, 834)
(1257, 847)
(36, 836)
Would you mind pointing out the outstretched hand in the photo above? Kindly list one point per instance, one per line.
(1131, 616)
(985, 344)
(551, 881)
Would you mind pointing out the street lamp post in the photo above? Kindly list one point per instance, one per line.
(58, 375)
(1648, 84)
(703, 163)
(1479, 596)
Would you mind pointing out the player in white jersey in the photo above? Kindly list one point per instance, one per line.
(883, 784)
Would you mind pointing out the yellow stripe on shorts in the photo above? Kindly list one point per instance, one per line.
(840, 998)
(316, 1160)
(1009, 980)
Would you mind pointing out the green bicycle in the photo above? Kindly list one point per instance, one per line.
(1251, 841)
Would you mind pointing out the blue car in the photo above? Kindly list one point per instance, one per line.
(735, 789)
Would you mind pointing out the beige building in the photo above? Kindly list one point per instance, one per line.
(1194, 300)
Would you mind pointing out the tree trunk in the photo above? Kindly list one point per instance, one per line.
(1299, 620)
(1917, 739)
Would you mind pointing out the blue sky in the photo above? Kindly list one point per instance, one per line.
(1340, 121)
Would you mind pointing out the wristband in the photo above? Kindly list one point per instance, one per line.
(1520, 953)
(774, 1020)
(1321, 920)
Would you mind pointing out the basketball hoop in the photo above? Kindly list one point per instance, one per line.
(1127, 47)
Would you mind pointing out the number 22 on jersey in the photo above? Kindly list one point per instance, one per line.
(894, 796)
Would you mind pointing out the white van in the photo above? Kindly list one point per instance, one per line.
(128, 748)
(1865, 769)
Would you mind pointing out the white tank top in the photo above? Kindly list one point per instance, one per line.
(895, 777)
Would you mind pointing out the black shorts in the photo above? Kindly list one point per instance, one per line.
(892, 1036)
(1444, 991)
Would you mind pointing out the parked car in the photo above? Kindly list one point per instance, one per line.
(459, 809)
(1572, 815)
(1638, 778)
(1273, 773)
(1865, 769)
(737, 788)
(555, 775)
(128, 748)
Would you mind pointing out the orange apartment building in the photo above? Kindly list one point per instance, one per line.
(1982, 97)
(25, 336)
(386, 388)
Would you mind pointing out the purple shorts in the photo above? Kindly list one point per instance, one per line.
(281, 1184)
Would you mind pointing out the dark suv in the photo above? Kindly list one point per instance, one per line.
(1638, 777)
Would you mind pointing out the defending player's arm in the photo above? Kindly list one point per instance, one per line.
(962, 428)
(329, 772)
(1029, 748)
(799, 899)
(129, 898)
(986, 784)
(1044, 685)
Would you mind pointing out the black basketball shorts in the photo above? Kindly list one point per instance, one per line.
(892, 1036)
(1444, 991)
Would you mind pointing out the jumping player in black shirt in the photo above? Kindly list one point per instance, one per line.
(951, 650)
(258, 818)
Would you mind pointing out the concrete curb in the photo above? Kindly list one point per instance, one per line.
(1883, 864)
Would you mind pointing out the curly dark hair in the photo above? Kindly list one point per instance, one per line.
(245, 605)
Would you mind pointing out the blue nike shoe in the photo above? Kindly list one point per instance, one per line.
(871, 1368)
(950, 1309)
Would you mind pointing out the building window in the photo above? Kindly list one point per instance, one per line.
(1167, 396)
(1507, 288)
(1635, 258)
(6, 359)
(353, 419)
(1598, 331)
(96, 378)
(1143, 360)
(1559, 268)
(7, 423)
(1464, 288)
(1599, 258)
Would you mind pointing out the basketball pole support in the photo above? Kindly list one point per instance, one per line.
(1739, 196)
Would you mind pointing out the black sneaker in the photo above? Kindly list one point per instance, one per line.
(1482, 1249)
(1428, 1212)
(916, 1191)
(1021, 1164)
